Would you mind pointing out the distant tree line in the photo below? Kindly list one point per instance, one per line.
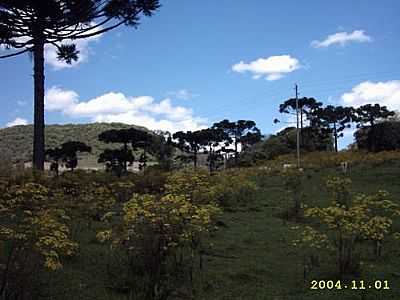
(240, 143)
(327, 125)
(221, 144)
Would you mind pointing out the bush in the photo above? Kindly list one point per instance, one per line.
(349, 221)
(383, 136)
(233, 188)
(34, 237)
(195, 185)
(161, 236)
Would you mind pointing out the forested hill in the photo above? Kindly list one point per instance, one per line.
(16, 142)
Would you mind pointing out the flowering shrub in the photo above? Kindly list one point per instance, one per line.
(292, 179)
(85, 201)
(34, 235)
(343, 226)
(233, 188)
(153, 231)
(194, 185)
(122, 190)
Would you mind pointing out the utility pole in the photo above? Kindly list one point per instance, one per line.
(297, 127)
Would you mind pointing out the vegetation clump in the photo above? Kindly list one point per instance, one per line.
(348, 222)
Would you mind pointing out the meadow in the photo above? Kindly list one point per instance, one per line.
(190, 235)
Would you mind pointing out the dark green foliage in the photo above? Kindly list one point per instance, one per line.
(384, 137)
(367, 117)
(189, 142)
(284, 142)
(334, 119)
(116, 159)
(124, 155)
(275, 146)
(163, 149)
(211, 139)
(316, 139)
(368, 114)
(145, 141)
(132, 139)
(243, 132)
(67, 153)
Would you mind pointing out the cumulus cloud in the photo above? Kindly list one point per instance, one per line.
(384, 93)
(117, 107)
(342, 38)
(272, 68)
(17, 121)
(182, 94)
(59, 99)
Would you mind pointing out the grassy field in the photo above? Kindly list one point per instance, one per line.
(267, 267)
(252, 256)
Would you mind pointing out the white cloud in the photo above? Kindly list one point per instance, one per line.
(273, 67)
(17, 121)
(342, 38)
(116, 107)
(384, 93)
(182, 94)
(50, 51)
(59, 99)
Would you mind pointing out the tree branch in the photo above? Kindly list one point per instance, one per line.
(84, 36)
(15, 54)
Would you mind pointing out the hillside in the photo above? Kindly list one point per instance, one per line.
(16, 142)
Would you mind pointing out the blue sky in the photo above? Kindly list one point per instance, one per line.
(197, 62)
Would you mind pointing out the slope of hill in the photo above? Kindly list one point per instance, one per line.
(16, 142)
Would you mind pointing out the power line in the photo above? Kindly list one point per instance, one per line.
(278, 94)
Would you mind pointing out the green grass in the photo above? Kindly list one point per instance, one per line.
(267, 267)
(253, 256)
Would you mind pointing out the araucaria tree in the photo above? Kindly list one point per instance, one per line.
(306, 106)
(68, 154)
(335, 119)
(28, 25)
(122, 136)
(163, 149)
(212, 139)
(145, 141)
(243, 132)
(190, 142)
(366, 117)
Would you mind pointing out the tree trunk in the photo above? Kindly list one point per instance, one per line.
(371, 137)
(195, 159)
(38, 124)
(236, 152)
(210, 162)
(144, 159)
(125, 154)
(335, 135)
